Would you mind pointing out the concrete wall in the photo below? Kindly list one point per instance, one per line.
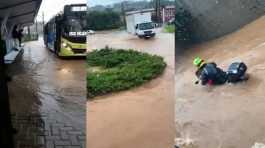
(214, 18)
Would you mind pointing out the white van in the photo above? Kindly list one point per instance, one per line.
(139, 23)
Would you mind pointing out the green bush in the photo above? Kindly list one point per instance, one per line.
(120, 70)
(169, 28)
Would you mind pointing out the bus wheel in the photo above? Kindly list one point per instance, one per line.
(56, 51)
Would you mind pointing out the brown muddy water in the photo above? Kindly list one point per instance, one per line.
(142, 117)
(228, 116)
(43, 84)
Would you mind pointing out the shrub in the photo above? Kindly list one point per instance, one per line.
(169, 28)
(120, 70)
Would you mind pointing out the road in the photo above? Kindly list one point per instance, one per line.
(47, 94)
(228, 116)
(142, 117)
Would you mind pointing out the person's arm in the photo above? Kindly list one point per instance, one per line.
(198, 73)
(201, 76)
(204, 79)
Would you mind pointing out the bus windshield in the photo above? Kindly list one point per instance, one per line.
(75, 20)
(75, 26)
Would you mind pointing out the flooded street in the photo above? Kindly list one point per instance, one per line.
(142, 117)
(53, 89)
(231, 115)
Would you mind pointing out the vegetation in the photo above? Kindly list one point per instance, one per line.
(111, 70)
(103, 20)
(133, 5)
(183, 25)
(169, 28)
(31, 37)
(105, 17)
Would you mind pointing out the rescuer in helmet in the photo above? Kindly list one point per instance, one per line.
(209, 73)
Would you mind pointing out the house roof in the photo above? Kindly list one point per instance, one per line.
(19, 11)
(140, 11)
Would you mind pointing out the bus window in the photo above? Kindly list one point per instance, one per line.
(74, 25)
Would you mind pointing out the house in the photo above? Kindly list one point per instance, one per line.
(167, 13)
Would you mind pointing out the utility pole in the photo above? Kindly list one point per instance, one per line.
(37, 32)
(28, 31)
(123, 13)
(43, 23)
(157, 10)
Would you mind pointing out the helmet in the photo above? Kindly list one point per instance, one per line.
(198, 62)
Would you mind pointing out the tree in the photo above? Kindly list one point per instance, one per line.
(104, 20)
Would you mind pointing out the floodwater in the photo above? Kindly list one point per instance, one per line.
(43, 84)
(142, 117)
(228, 116)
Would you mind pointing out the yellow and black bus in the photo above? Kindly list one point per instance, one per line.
(65, 34)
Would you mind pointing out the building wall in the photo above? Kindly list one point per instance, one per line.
(169, 12)
(214, 18)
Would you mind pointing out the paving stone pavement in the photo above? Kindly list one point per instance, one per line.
(38, 131)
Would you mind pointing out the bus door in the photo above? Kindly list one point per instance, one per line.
(58, 35)
(51, 36)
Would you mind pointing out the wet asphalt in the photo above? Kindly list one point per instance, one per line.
(227, 116)
(141, 117)
(43, 84)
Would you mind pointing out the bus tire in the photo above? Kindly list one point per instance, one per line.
(56, 50)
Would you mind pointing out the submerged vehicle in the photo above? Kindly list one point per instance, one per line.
(65, 34)
(237, 72)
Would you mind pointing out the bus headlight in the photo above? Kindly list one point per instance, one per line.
(64, 45)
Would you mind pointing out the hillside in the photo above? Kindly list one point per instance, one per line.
(132, 5)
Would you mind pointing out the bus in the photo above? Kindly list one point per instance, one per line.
(65, 34)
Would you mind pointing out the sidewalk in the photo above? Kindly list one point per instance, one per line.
(47, 99)
(33, 132)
